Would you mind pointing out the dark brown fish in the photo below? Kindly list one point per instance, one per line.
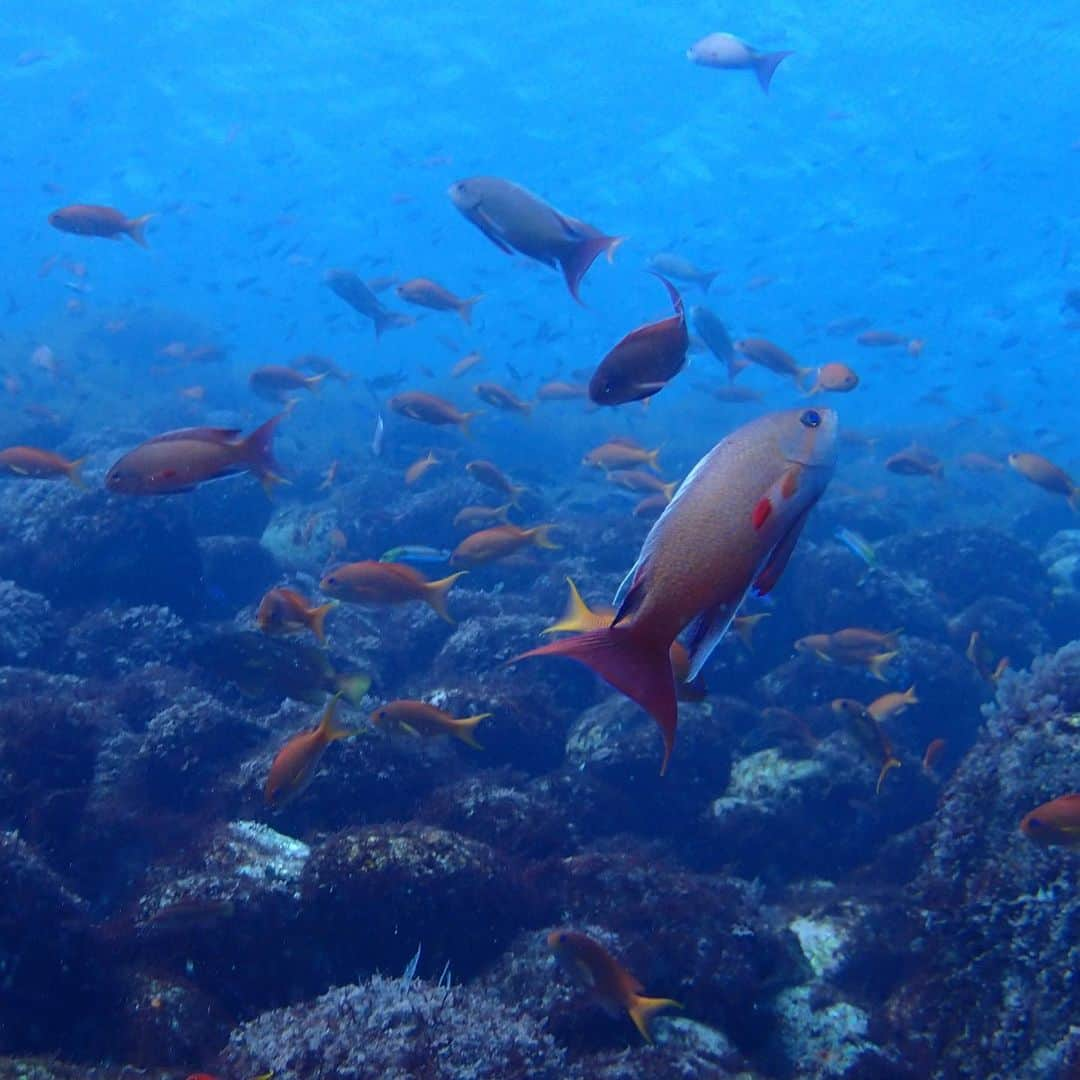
(645, 361)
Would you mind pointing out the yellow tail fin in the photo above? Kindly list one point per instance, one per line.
(465, 729)
(136, 229)
(577, 617)
(652, 460)
(317, 619)
(879, 663)
(643, 1009)
(435, 594)
(74, 472)
(890, 764)
(541, 537)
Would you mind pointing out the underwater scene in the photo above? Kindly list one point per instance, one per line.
(540, 541)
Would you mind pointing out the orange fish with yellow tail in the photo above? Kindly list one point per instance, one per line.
(1056, 822)
(30, 463)
(285, 611)
(500, 541)
(730, 529)
(870, 734)
(294, 766)
(430, 409)
(426, 721)
(614, 987)
(370, 582)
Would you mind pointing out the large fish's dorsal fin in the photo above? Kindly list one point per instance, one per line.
(705, 633)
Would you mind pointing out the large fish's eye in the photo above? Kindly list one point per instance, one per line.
(331, 580)
(1034, 824)
(811, 418)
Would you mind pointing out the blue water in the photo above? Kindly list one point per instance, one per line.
(914, 167)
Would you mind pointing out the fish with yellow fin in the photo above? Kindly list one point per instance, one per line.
(425, 721)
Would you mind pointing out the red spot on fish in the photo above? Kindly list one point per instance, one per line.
(761, 512)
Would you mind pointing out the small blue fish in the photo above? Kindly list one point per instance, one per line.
(415, 553)
(858, 545)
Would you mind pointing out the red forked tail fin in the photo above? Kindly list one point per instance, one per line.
(257, 451)
(638, 668)
(576, 262)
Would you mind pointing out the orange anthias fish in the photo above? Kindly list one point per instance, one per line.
(855, 646)
(1047, 475)
(640, 480)
(490, 475)
(621, 455)
(881, 339)
(285, 611)
(470, 516)
(103, 221)
(370, 582)
(771, 357)
(429, 409)
(182, 460)
(615, 988)
(427, 293)
(490, 545)
(932, 755)
(644, 361)
(294, 767)
(466, 363)
(34, 464)
(275, 382)
(426, 721)
(1056, 822)
(835, 378)
(982, 658)
(420, 467)
(731, 528)
(501, 398)
(916, 461)
(557, 390)
(871, 734)
(514, 219)
(892, 704)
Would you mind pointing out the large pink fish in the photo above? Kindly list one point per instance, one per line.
(182, 460)
(517, 220)
(731, 528)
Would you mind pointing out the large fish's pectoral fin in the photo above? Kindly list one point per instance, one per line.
(489, 228)
(774, 565)
(705, 633)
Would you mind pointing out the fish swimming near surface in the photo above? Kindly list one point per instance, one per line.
(644, 361)
(730, 530)
(1054, 823)
(614, 987)
(102, 221)
(30, 463)
(515, 219)
(352, 289)
(426, 721)
(294, 766)
(181, 460)
(369, 582)
(729, 53)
